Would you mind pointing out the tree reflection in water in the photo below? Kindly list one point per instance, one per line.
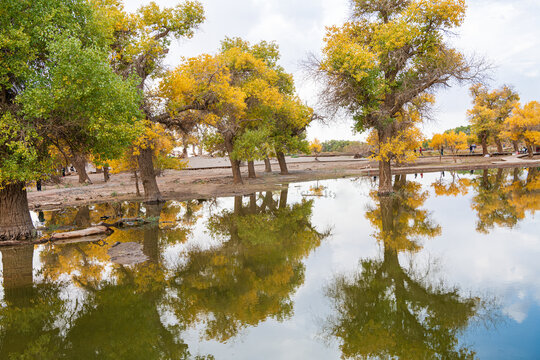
(385, 311)
(85, 307)
(501, 197)
(120, 314)
(252, 275)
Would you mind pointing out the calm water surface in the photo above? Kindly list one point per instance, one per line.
(446, 268)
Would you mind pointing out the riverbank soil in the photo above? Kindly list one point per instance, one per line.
(211, 177)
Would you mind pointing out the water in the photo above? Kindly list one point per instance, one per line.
(446, 268)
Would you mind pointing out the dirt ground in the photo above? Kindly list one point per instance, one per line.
(210, 177)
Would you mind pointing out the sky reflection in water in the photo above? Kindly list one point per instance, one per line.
(446, 268)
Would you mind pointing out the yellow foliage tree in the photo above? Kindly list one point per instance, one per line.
(384, 58)
(489, 112)
(160, 142)
(524, 125)
(455, 142)
(315, 147)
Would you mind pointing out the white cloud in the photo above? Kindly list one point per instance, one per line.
(505, 33)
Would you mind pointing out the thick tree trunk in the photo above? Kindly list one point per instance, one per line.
(17, 273)
(385, 177)
(79, 162)
(499, 145)
(151, 232)
(237, 174)
(251, 170)
(238, 205)
(282, 163)
(82, 218)
(148, 176)
(484, 146)
(267, 165)
(516, 146)
(106, 174)
(253, 203)
(15, 221)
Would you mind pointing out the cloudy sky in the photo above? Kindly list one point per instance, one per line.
(506, 33)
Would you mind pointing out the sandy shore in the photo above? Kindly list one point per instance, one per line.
(211, 177)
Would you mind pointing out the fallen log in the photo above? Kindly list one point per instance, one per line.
(81, 233)
(64, 238)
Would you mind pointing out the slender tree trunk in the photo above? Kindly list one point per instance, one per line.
(267, 165)
(137, 183)
(79, 162)
(106, 174)
(200, 150)
(185, 145)
(283, 198)
(148, 176)
(251, 170)
(235, 164)
(15, 221)
(282, 163)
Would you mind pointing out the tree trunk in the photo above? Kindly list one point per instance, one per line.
(237, 174)
(385, 177)
(499, 145)
(530, 150)
(106, 174)
(151, 232)
(15, 221)
(82, 218)
(267, 165)
(235, 164)
(484, 146)
(516, 146)
(17, 273)
(251, 170)
(185, 145)
(253, 203)
(137, 183)
(283, 198)
(79, 162)
(282, 163)
(148, 176)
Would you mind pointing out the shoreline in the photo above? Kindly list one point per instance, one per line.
(215, 182)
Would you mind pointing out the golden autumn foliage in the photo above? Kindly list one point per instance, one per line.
(389, 55)
(489, 113)
(524, 124)
(315, 146)
(160, 141)
(451, 141)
